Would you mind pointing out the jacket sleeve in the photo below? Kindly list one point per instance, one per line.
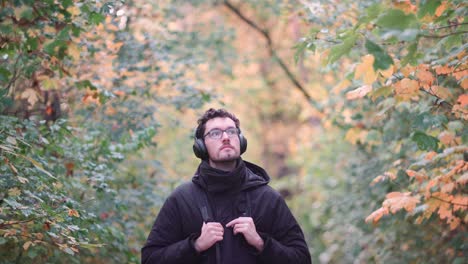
(166, 243)
(285, 242)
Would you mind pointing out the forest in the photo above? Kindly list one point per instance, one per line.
(357, 109)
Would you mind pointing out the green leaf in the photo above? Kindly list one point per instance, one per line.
(412, 55)
(4, 74)
(428, 7)
(424, 141)
(85, 84)
(372, 12)
(301, 47)
(96, 18)
(382, 91)
(342, 49)
(382, 59)
(38, 166)
(397, 19)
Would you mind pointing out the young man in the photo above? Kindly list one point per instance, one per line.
(228, 213)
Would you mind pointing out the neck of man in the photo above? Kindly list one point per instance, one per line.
(229, 165)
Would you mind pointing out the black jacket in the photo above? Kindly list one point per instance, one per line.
(230, 195)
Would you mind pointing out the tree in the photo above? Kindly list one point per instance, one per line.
(405, 112)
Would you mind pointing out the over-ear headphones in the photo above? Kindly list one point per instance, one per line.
(199, 148)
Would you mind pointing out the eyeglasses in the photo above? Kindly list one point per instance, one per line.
(218, 133)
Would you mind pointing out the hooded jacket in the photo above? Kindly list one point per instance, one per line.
(241, 192)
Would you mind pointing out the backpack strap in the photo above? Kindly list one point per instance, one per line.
(201, 198)
(202, 202)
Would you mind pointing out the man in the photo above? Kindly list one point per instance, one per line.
(228, 213)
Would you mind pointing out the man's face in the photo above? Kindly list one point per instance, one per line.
(226, 148)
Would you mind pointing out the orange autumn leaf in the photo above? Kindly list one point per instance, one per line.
(463, 100)
(358, 92)
(442, 70)
(406, 6)
(440, 10)
(365, 70)
(73, 212)
(418, 176)
(385, 176)
(464, 83)
(376, 215)
(446, 138)
(396, 201)
(407, 70)
(425, 77)
(460, 202)
(454, 222)
(406, 88)
(430, 155)
(463, 179)
(444, 211)
(460, 74)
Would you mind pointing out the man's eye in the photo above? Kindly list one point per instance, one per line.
(215, 133)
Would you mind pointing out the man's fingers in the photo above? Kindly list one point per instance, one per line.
(240, 220)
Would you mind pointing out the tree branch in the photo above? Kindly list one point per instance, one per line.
(271, 51)
(442, 200)
(443, 36)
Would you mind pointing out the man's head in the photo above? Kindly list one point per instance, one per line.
(218, 137)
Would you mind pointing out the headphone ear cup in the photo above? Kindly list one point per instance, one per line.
(199, 149)
(243, 143)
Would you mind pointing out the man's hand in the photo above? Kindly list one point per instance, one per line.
(246, 226)
(210, 234)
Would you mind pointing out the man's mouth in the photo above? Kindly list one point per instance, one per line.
(226, 146)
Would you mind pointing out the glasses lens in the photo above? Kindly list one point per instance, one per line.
(231, 131)
(215, 133)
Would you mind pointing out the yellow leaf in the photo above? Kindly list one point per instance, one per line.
(365, 70)
(49, 84)
(355, 134)
(341, 86)
(74, 10)
(74, 51)
(441, 92)
(358, 92)
(388, 72)
(31, 96)
(14, 192)
(27, 245)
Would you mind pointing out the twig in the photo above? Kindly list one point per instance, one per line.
(271, 51)
(443, 36)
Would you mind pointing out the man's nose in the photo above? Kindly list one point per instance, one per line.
(224, 136)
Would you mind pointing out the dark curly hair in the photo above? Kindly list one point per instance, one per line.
(210, 114)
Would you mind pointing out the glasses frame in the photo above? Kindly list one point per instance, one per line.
(209, 135)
